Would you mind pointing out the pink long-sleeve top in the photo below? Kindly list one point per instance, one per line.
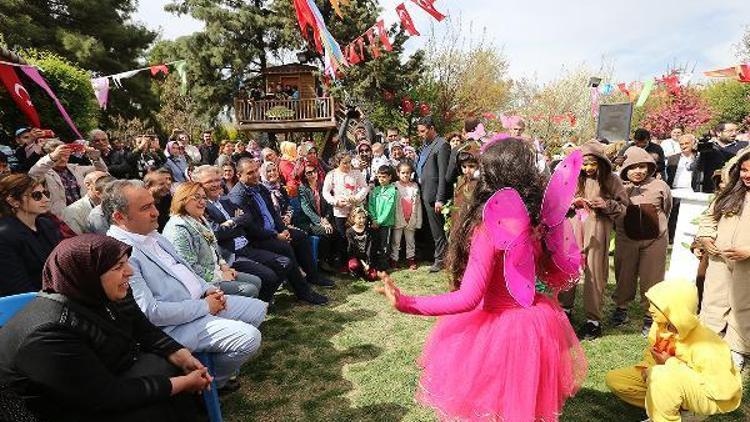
(482, 285)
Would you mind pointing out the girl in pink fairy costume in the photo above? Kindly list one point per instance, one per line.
(500, 351)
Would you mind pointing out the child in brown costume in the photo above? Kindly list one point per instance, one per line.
(600, 199)
(724, 233)
(641, 234)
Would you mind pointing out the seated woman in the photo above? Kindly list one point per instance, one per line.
(228, 177)
(84, 351)
(314, 218)
(193, 239)
(27, 236)
(269, 175)
(687, 367)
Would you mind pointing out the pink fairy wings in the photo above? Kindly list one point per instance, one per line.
(509, 225)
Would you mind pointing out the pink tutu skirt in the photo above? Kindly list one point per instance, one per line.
(512, 365)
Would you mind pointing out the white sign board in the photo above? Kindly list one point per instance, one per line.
(683, 264)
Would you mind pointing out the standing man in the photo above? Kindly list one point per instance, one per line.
(671, 146)
(432, 170)
(209, 150)
(713, 155)
(681, 174)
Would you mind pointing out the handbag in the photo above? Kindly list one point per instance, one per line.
(642, 222)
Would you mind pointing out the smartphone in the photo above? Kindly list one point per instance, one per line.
(47, 133)
(76, 147)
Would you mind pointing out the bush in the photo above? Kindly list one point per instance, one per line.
(72, 86)
(686, 108)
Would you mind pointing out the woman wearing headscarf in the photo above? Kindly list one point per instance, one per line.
(288, 160)
(269, 175)
(83, 350)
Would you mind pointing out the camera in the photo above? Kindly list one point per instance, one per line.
(704, 143)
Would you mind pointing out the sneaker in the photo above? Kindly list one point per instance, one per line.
(412, 264)
(647, 321)
(436, 267)
(314, 298)
(738, 359)
(619, 317)
(591, 330)
(392, 264)
(322, 282)
(372, 275)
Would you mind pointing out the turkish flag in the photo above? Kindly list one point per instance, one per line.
(429, 7)
(374, 49)
(384, 36)
(19, 94)
(406, 22)
(351, 54)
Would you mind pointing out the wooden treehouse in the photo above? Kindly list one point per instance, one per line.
(275, 112)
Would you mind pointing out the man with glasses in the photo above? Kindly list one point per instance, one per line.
(713, 155)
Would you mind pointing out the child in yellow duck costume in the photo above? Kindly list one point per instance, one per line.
(686, 366)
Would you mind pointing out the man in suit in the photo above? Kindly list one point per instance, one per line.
(228, 223)
(76, 215)
(432, 170)
(266, 230)
(172, 296)
(682, 174)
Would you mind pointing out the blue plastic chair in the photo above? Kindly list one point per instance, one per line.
(211, 397)
(314, 241)
(9, 305)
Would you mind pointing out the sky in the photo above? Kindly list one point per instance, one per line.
(638, 38)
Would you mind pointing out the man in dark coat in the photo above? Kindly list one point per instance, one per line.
(432, 168)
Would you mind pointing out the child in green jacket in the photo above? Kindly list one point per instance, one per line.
(382, 207)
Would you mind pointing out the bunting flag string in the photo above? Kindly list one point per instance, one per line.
(34, 75)
(740, 72)
(101, 91)
(103, 84)
(309, 17)
(406, 21)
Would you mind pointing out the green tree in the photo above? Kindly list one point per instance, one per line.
(71, 85)
(96, 35)
(729, 100)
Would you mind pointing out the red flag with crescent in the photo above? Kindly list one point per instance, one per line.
(429, 7)
(374, 49)
(19, 94)
(406, 22)
(384, 36)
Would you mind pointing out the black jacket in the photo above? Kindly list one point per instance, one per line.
(64, 358)
(209, 153)
(23, 253)
(672, 163)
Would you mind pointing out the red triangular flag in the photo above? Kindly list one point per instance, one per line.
(159, 68)
(406, 22)
(361, 47)
(374, 49)
(19, 94)
(351, 55)
(429, 7)
(744, 73)
(384, 36)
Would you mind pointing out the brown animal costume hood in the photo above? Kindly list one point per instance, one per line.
(636, 155)
(597, 149)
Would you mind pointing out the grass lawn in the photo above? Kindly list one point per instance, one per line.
(354, 360)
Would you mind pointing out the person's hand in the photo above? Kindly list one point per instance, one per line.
(389, 289)
(61, 152)
(228, 223)
(238, 212)
(341, 203)
(374, 225)
(736, 254)
(285, 236)
(644, 374)
(709, 245)
(185, 360)
(216, 302)
(580, 202)
(660, 357)
(438, 207)
(598, 203)
(195, 381)
(287, 219)
(37, 134)
(93, 153)
(228, 273)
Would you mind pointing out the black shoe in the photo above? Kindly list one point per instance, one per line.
(230, 387)
(324, 266)
(314, 298)
(591, 331)
(619, 317)
(647, 321)
(436, 267)
(323, 282)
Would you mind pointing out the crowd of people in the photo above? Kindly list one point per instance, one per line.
(201, 237)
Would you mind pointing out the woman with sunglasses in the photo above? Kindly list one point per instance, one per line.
(26, 236)
(315, 217)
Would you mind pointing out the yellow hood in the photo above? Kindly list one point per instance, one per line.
(678, 301)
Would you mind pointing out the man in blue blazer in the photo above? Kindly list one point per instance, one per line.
(230, 225)
(265, 228)
(172, 296)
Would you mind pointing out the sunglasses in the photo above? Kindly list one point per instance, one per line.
(37, 194)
